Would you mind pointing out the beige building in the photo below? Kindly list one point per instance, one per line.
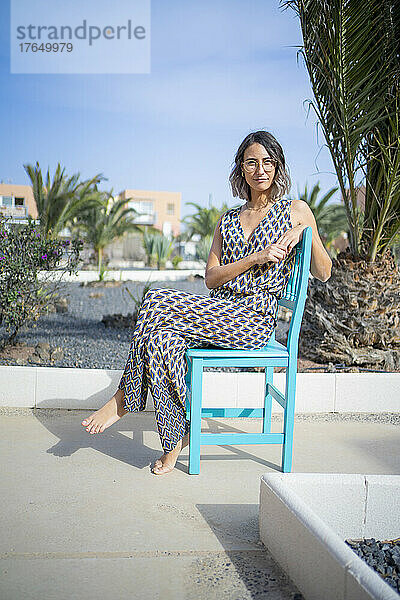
(17, 201)
(160, 209)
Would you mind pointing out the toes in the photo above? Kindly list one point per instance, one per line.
(86, 422)
(159, 461)
(163, 469)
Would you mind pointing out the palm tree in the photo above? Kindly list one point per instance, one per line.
(105, 223)
(331, 218)
(351, 52)
(203, 223)
(204, 220)
(352, 55)
(61, 198)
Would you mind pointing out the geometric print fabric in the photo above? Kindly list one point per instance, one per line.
(240, 315)
(261, 286)
(169, 322)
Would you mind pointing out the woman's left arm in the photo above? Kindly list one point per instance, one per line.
(321, 263)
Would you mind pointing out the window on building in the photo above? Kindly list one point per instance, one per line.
(19, 201)
(143, 207)
(146, 206)
(170, 208)
(7, 201)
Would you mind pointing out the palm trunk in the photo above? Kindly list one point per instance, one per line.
(100, 258)
(354, 318)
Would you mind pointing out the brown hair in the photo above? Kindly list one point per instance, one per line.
(281, 183)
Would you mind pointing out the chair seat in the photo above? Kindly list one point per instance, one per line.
(272, 350)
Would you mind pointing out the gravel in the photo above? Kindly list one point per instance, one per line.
(85, 340)
(387, 418)
(382, 556)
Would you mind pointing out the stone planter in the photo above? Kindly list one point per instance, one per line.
(304, 519)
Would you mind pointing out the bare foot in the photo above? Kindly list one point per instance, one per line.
(166, 462)
(113, 410)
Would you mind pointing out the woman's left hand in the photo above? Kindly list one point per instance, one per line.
(291, 237)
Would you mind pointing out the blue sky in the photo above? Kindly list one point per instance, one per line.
(218, 71)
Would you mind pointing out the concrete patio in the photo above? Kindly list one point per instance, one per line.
(83, 517)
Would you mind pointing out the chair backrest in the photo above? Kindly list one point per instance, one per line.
(296, 282)
(295, 293)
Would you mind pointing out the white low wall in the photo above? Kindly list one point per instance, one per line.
(55, 387)
(304, 519)
(128, 275)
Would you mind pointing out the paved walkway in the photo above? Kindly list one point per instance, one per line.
(82, 517)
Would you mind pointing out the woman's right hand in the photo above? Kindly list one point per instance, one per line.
(272, 253)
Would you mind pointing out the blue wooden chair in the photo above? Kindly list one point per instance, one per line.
(272, 355)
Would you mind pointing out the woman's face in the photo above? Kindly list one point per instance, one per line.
(258, 167)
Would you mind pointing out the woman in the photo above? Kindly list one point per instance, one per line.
(248, 267)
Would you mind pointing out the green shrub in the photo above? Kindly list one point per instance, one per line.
(24, 252)
(158, 248)
(204, 247)
(163, 248)
(176, 260)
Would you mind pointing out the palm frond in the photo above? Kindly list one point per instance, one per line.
(351, 52)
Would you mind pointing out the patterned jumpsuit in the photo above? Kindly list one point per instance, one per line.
(241, 313)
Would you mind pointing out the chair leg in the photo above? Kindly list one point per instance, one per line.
(288, 420)
(269, 378)
(188, 378)
(195, 416)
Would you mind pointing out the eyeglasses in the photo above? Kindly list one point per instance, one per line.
(250, 165)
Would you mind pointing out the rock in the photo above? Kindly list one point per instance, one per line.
(284, 314)
(119, 320)
(20, 361)
(379, 555)
(42, 351)
(61, 305)
(42, 346)
(112, 283)
(57, 353)
(108, 283)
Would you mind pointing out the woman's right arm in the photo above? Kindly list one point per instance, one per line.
(217, 274)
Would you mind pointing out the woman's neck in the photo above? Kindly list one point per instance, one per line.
(259, 201)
